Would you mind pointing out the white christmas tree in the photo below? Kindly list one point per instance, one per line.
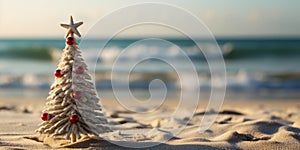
(72, 107)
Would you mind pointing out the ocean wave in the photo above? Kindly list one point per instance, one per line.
(242, 52)
(241, 81)
(231, 49)
(33, 53)
(138, 52)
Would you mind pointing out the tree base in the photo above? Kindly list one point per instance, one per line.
(61, 142)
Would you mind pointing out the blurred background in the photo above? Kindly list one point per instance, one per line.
(260, 42)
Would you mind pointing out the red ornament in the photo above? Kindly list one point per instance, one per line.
(52, 88)
(70, 40)
(45, 116)
(58, 73)
(74, 118)
(77, 94)
(80, 70)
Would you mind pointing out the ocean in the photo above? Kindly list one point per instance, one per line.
(266, 68)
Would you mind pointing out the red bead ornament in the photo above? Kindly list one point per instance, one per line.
(58, 73)
(70, 40)
(77, 94)
(51, 88)
(74, 118)
(45, 116)
(80, 70)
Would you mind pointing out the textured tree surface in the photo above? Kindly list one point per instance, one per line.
(72, 107)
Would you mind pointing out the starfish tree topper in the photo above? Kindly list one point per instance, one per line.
(72, 28)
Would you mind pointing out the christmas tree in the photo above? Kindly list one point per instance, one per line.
(72, 107)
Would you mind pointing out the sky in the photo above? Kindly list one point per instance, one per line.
(230, 18)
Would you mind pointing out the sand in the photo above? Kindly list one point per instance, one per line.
(241, 124)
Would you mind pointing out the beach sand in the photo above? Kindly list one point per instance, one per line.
(241, 124)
